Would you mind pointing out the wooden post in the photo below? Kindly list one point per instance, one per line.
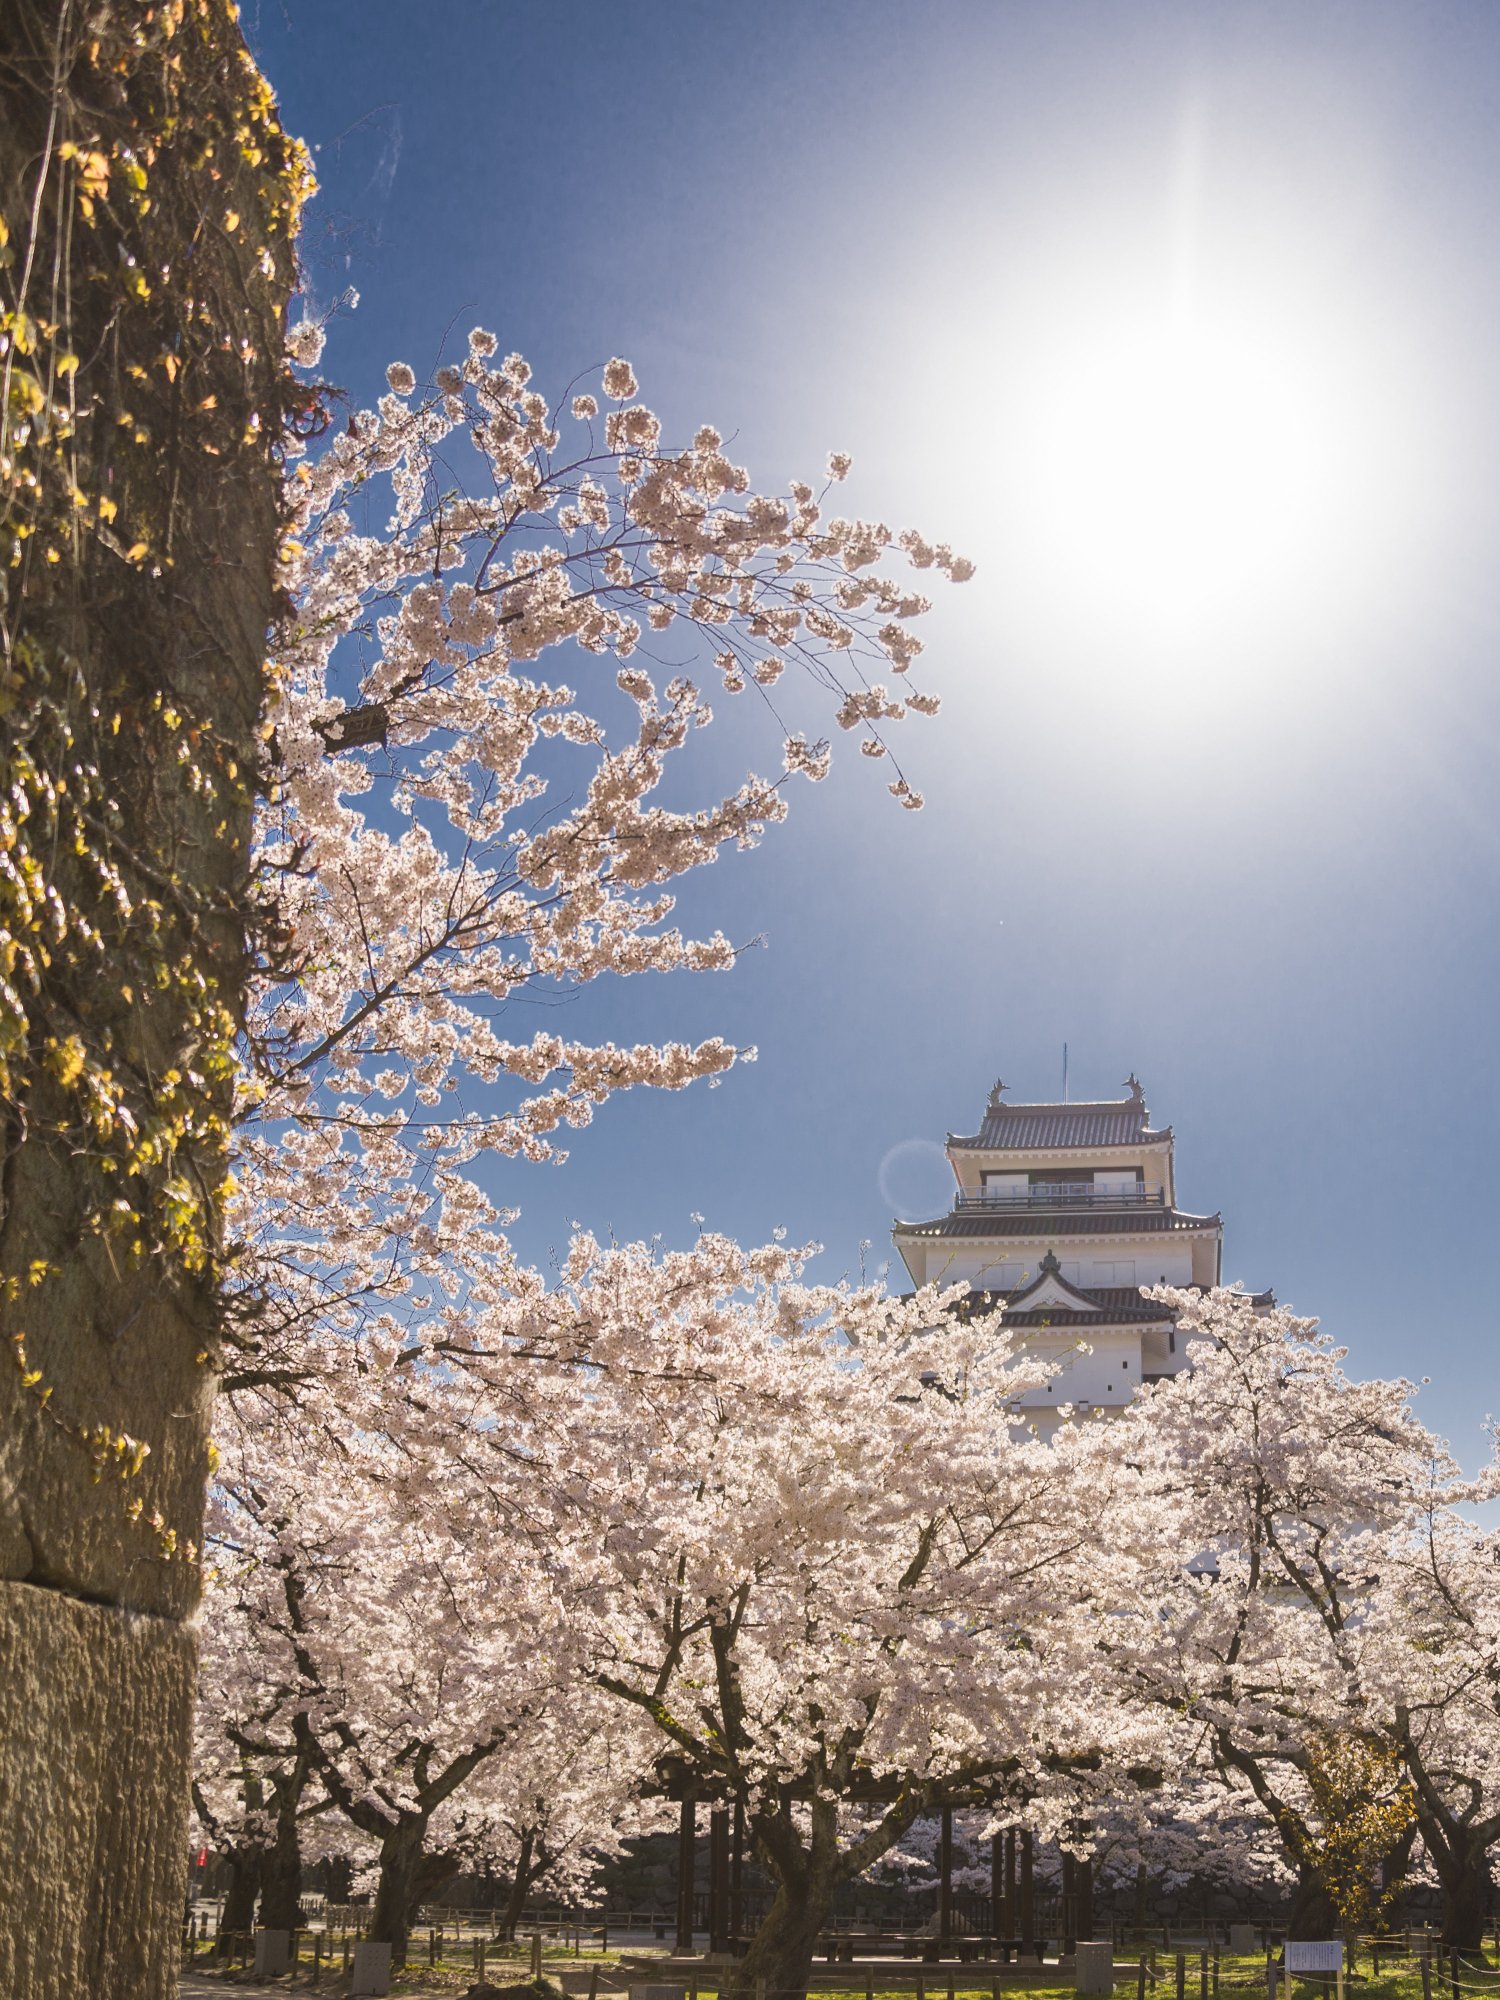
(1070, 1903)
(1270, 1974)
(1140, 1979)
(1182, 1975)
(997, 1886)
(1203, 1976)
(1010, 1885)
(594, 1982)
(718, 1879)
(1027, 1900)
(536, 1954)
(1452, 1973)
(1425, 1960)
(1083, 1926)
(687, 1845)
(945, 1878)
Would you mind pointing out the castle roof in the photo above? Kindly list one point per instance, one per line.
(1098, 1306)
(1033, 1127)
(1035, 1223)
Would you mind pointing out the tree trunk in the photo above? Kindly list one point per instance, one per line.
(1085, 1895)
(1464, 1876)
(399, 1889)
(807, 1873)
(1312, 1914)
(149, 199)
(782, 1951)
(281, 1874)
(238, 1914)
(515, 1901)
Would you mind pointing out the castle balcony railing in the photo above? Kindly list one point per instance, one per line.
(1060, 1194)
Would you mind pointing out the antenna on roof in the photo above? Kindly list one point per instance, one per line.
(1065, 1072)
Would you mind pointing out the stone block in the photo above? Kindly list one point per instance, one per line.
(1244, 1939)
(273, 1953)
(371, 1971)
(1094, 1968)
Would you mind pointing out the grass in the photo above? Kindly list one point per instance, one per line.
(1239, 1978)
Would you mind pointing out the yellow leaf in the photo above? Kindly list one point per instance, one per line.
(231, 219)
(135, 552)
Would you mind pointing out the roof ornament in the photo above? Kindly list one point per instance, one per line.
(1049, 1266)
(995, 1095)
(1133, 1085)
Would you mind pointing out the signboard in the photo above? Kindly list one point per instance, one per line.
(1314, 1955)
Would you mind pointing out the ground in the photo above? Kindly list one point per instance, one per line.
(1238, 1979)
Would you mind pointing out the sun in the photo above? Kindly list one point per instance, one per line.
(1183, 468)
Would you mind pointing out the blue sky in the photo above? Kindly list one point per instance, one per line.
(1212, 796)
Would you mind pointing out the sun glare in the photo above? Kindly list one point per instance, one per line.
(1183, 469)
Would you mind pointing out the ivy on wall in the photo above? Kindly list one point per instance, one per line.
(148, 203)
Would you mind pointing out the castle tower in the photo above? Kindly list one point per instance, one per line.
(1063, 1212)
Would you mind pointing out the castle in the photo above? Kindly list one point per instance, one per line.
(1062, 1212)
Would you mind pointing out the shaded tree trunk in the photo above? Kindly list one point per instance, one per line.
(1312, 1914)
(515, 1900)
(142, 497)
(807, 1873)
(409, 1877)
(396, 1890)
(783, 1949)
(237, 1916)
(1463, 1872)
(281, 1873)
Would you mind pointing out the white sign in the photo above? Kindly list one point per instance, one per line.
(1309, 1955)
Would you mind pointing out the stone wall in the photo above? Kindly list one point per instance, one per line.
(148, 198)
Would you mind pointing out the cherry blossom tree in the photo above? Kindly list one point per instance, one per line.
(444, 834)
(1275, 1538)
(449, 832)
(1431, 1671)
(365, 1627)
(787, 1526)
